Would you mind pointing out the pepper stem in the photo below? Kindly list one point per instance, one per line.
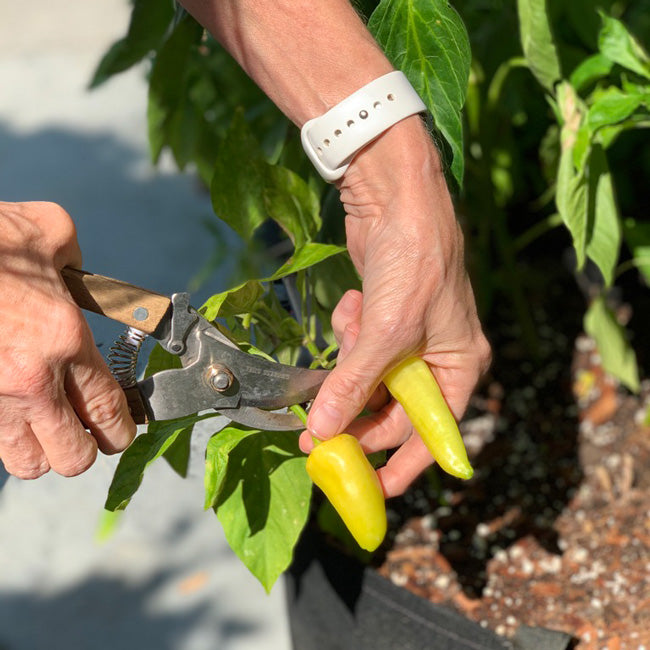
(296, 409)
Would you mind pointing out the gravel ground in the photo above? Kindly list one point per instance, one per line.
(166, 579)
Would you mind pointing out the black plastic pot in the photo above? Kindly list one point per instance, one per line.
(336, 603)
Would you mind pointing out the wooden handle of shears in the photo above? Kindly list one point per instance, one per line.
(121, 301)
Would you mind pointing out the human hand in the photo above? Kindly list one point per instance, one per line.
(53, 381)
(405, 242)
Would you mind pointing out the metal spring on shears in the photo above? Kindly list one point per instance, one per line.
(123, 356)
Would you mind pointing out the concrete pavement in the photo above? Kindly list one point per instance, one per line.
(167, 579)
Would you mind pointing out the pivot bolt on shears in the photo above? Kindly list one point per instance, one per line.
(214, 373)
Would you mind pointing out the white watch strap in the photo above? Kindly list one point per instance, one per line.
(332, 140)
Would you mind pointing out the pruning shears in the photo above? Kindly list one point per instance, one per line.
(214, 374)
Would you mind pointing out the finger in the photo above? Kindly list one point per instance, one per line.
(349, 387)
(347, 312)
(305, 442)
(385, 429)
(346, 323)
(457, 384)
(404, 466)
(21, 452)
(61, 241)
(69, 449)
(99, 402)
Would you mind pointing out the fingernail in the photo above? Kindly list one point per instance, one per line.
(324, 421)
(350, 302)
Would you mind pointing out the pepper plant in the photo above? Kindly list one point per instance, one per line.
(565, 80)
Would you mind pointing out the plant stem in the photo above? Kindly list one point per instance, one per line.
(536, 231)
(300, 412)
(502, 72)
(634, 263)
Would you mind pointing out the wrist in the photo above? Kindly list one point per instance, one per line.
(403, 157)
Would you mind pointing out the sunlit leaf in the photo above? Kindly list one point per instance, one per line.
(620, 46)
(263, 500)
(160, 359)
(427, 40)
(571, 194)
(238, 300)
(307, 256)
(537, 42)
(612, 107)
(571, 198)
(149, 22)
(604, 235)
(144, 450)
(617, 356)
(590, 70)
(216, 460)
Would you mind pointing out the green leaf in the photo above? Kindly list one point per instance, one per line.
(145, 449)
(590, 70)
(611, 107)
(177, 453)
(293, 204)
(216, 460)
(537, 42)
(239, 180)
(427, 40)
(604, 236)
(168, 84)
(571, 199)
(307, 256)
(239, 300)
(150, 19)
(160, 359)
(571, 186)
(586, 203)
(263, 500)
(637, 238)
(617, 356)
(619, 46)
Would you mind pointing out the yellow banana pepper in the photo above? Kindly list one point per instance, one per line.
(341, 470)
(413, 385)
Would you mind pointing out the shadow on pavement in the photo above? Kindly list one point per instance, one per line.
(102, 610)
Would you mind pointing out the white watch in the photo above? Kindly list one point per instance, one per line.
(331, 140)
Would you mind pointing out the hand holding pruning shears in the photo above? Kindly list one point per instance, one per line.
(58, 399)
(54, 385)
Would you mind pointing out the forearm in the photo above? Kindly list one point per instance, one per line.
(306, 55)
